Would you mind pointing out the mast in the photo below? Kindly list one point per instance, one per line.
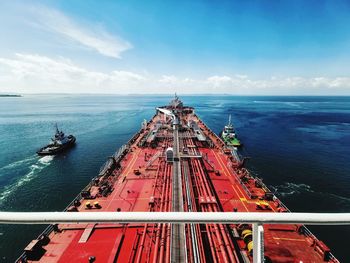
(57, 131)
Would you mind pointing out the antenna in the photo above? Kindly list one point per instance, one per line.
(57, 131)
(229, 119)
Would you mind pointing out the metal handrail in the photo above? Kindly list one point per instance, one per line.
(175, 217)
(257, 219)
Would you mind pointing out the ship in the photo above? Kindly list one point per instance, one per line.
(58, 144)
(175, 162)
(229, 135)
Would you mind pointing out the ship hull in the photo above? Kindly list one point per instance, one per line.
(174, 163)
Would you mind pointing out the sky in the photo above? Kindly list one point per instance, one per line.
(125, 47)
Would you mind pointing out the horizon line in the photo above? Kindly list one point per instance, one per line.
(184, 94)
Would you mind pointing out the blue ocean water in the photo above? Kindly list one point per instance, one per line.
(300, 146)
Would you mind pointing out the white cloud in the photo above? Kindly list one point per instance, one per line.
(90, 36)
(35, 73)
(168, 79)
(32, 73)
(241, 76)
(220, 81)
(242, 84)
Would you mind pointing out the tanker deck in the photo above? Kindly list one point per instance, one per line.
(174, 163)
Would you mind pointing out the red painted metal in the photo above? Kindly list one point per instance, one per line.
(141, 180)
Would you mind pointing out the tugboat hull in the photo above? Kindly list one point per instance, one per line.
(52, 149)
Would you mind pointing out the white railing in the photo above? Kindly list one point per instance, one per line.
(257, 219)
(175, 217)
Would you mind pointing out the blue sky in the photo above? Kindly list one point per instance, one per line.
(238, 47)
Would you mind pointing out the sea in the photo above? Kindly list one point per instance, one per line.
(299, 146)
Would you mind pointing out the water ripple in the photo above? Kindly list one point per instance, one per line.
(34, 170)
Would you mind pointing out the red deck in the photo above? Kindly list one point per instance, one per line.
(141, 179)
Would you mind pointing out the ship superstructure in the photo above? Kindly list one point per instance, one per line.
(174, 163)
(59, 143)
(229, 135)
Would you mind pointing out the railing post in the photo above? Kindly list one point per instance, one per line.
(258, 243)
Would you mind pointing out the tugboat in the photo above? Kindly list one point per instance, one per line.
(229, 136)
(58, 144)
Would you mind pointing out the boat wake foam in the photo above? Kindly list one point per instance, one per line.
(288, 189)
(34, 170)
(296, 104)
(19, 163)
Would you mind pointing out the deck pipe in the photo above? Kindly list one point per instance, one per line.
(150, 208)
(208, 226)
(214, 207)
(163, 202)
